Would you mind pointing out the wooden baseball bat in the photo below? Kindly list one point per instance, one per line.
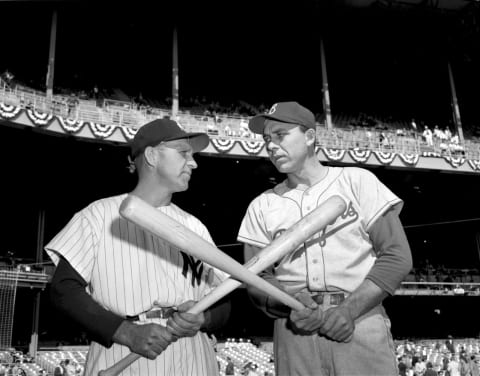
(153, 220)
(287, 242)
(290, 240)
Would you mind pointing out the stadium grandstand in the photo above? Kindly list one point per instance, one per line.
(400, 100)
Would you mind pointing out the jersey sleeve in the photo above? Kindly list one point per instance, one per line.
(76, 242)
(253, 228)
(372, 195)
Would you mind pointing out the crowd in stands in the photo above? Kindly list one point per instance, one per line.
(425, 275)
(439, 358)
(15, 363)
(446, 357)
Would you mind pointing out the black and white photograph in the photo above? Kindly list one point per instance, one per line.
(259, 188)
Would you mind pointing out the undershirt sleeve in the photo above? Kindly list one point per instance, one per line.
(394, 257)
(69, 295)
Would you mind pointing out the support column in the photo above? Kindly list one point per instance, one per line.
(175, 98)
(456, 108)
(36, 305)
(325, 92)
(51, 56)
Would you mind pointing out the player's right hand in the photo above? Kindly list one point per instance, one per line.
(309, 319)
(147, 340)
(183, 323)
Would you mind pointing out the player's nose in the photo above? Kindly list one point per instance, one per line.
(271, 146)
(192, 163)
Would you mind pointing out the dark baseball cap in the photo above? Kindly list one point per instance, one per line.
(285, 112)
(159, 130)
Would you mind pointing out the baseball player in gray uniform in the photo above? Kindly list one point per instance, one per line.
(343, 273)
(131, 290)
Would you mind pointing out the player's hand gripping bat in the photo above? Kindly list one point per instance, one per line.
(309, 225)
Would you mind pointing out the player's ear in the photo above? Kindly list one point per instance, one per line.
(150, 156)
(310, 137)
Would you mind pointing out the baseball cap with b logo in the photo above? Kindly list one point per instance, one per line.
(285, 112)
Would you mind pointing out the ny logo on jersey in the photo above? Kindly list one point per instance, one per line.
(196, 266)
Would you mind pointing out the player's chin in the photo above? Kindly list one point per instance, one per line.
(284, 168)
(183, 185)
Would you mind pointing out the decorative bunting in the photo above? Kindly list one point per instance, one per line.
(474, 164)
(252, 147)
(70, 125)
(222, 145)
(8, 111)
(385, 158)
(360, 156)
(102, 131)
(128, 132)
(409, 159)
(39, 118)
(334, 154)
(455, 161)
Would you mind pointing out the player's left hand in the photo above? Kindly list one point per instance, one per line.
(184, 324)
(338, 324)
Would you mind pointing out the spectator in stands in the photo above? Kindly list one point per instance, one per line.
(414, 126)
(473, 365)
(429, 370)
(229, 368)
(67, 368)
(244, 130)
(72, 104)
(449, 344)
(384, 140)
(58, 371)
(447, 133)
(7, 77)
(95, 92)
(420, 366)
(428, 136)
(402, 367)
(454, 366)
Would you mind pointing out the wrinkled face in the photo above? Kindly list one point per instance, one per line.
(286, 144)
(175, 164)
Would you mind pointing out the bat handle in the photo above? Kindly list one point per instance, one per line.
(118, 367)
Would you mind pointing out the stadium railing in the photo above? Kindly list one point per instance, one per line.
(125, 114)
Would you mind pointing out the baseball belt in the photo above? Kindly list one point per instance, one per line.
(334, 298)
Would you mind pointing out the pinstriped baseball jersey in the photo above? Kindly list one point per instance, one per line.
(127, 269)
(340, 256)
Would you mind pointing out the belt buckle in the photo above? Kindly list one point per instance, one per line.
(334, 298)
(155, 313)
(337, 298)
(160, 313)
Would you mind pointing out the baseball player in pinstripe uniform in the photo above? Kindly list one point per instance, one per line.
(129, 289)
(343, 273)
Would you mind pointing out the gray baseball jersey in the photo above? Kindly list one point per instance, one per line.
(341, 255)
